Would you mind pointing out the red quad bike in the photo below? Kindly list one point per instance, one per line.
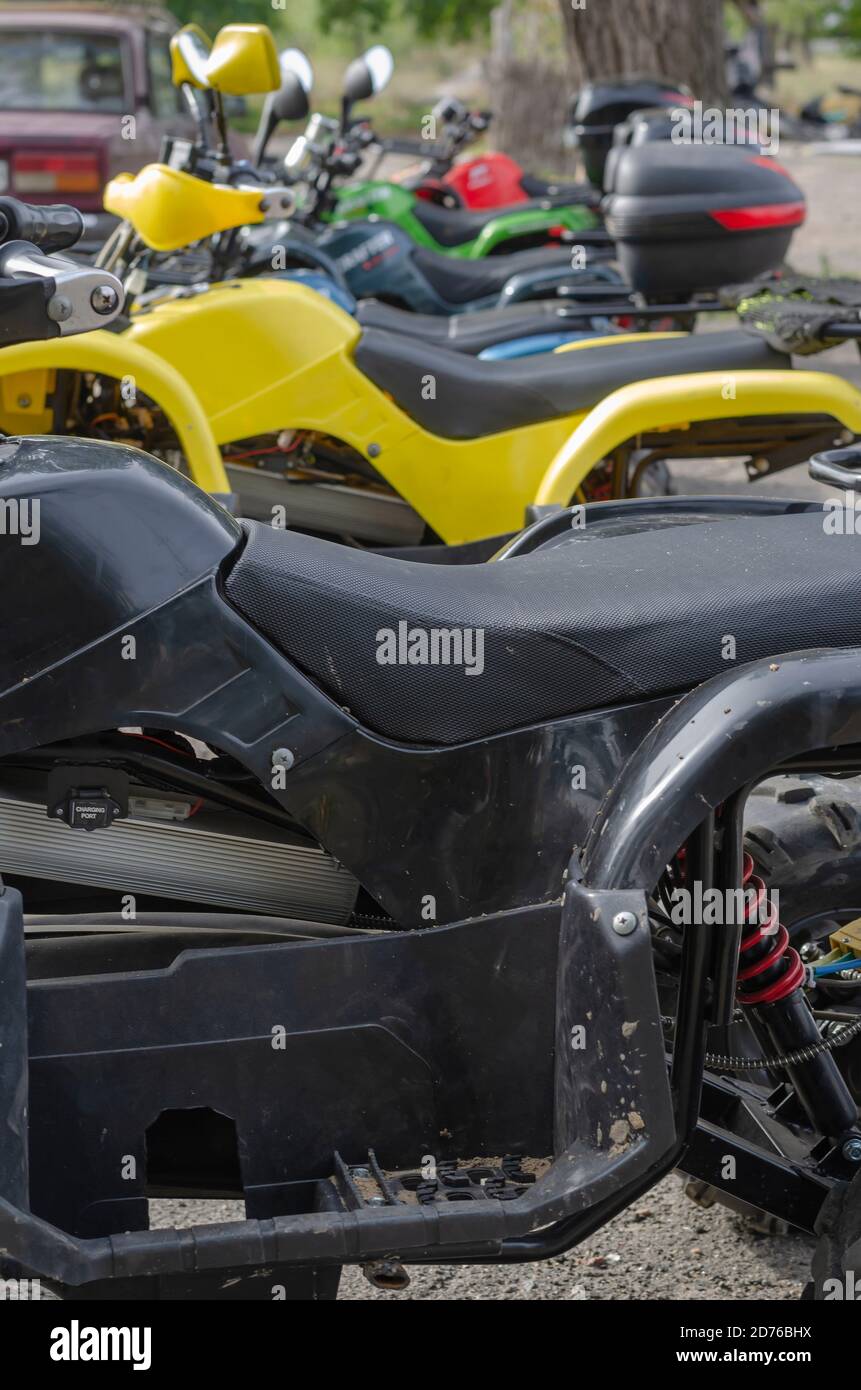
(494, 179)
(396, 1043)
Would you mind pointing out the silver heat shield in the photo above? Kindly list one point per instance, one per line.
(212, 857)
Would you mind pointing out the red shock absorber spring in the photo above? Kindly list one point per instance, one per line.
(769, 968)
(770, 982)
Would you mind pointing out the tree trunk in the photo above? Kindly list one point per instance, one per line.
(678, 39)
(533, 78)
(529, 85)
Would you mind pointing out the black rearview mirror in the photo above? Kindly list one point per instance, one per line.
(366, 76)
(290, 102)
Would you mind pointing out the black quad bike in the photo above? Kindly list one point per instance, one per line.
(348, 886)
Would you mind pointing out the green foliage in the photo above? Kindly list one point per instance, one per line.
(810, 19)
(849, 20)
(453, 19)
(211, 15)
(373, 13)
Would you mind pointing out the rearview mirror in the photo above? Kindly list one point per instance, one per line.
(294, 61)
(243, 61)
(189, 54)
(290, 102)
(367, 75)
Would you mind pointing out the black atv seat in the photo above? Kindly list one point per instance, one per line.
(475, 398)
(595, 622)
(460, 281)
(454, 226)
(473, 332)
(559, 193)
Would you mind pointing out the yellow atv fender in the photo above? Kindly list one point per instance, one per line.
(26, 376)
(676, 402)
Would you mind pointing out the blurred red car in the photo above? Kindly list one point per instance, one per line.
(85, 93)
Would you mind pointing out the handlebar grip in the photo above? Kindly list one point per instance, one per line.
(841, 467)
(52, 228)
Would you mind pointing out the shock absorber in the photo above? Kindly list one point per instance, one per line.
(769, 983)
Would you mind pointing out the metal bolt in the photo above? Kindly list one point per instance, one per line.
(104, 299)
(23, 402)
(852, 1150)
(283, 757)
(59, 308)
(374, 451)
(624, 923)
(376, 1201)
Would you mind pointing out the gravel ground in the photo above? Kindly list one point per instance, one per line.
(664, 1246)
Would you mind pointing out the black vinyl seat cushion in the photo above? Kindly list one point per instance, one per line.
(559, 194)
(600, 621)
(470, 333)
(461, 281)
(475, 398)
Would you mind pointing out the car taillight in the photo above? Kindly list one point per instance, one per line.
(38, 171)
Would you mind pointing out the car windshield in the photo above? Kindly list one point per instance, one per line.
(59, 71)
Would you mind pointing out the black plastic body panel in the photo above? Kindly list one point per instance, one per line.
(95, 535)
(24, 318)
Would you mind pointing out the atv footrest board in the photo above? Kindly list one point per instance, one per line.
(325, 1084)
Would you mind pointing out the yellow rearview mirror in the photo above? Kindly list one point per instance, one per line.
(243, 61)
(189, 55)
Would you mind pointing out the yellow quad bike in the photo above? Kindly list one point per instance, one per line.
(368, 435)
(266, 391)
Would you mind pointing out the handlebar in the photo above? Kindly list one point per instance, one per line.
(65, 297)
(414, 145)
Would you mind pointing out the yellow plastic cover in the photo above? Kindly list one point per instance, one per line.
(180, 64)
(170, 209)
(243, 61)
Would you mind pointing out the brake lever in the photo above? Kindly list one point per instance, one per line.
(82, 297)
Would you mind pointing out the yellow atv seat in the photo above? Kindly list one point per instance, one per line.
(593, 621)
(472, 398)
